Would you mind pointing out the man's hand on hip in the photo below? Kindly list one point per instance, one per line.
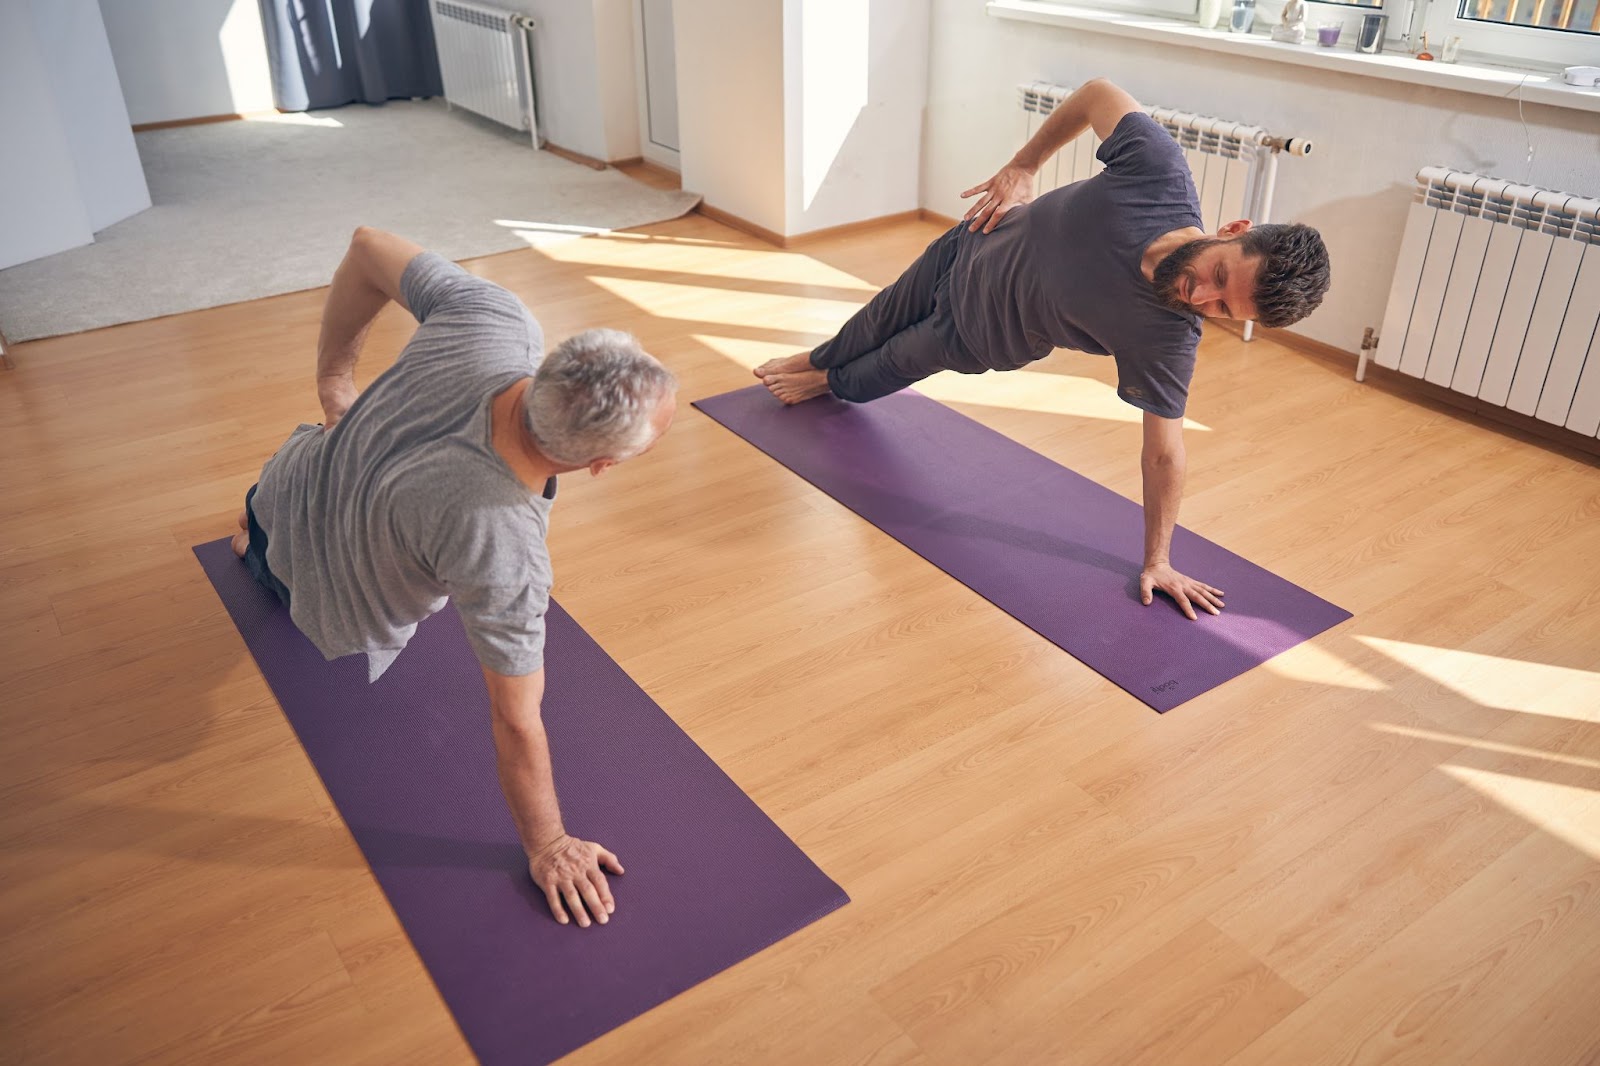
(1012, 186)
(336, 393)
(1185, 591)
(569, 871)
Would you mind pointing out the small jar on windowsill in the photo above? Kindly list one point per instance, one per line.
(1244, 16)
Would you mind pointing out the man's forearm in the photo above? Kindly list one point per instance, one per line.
(1163, 494)
(353, 303)
(527, 779)
(1064, 125)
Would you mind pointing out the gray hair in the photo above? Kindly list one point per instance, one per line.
(593, 397)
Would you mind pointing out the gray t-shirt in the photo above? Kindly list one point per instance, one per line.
(405, 503)
(1063, 272)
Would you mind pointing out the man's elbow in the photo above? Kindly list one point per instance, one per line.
(363, 237)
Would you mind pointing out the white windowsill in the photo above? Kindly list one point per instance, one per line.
(1538, 86)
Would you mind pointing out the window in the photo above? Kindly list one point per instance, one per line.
(1564, 32)
(1545, 32)
(1180, 8)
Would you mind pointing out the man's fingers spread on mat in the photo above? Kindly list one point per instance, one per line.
(569, 892)
(598, 880)
(591, 899)
(608, 860)
(554, 900)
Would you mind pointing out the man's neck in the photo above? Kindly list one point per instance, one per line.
(514, 443)
(1164, 246)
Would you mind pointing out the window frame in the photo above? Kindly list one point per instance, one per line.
(1481, 42)
(1180, 9)
(1504, 41)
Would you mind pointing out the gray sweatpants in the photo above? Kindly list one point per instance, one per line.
(904, 334)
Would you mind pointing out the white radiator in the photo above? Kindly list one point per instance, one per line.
(1235, 165)
(1496, 295)
(486, 58)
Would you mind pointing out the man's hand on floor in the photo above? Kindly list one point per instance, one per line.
(569, 871)
(1185, 591)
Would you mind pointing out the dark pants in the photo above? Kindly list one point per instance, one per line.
(255, 556)
(903, 335)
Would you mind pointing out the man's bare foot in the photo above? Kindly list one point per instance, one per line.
(798, 387)
(791, 364)
(241, 539)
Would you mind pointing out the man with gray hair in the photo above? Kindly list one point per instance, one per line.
(435, 484)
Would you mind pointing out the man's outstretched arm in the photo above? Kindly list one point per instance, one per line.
(1163, 463)
(1096, 103)
(569, 870)
(367, 279)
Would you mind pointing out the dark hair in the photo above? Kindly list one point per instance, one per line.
(1294, 271)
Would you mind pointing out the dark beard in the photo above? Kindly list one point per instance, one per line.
(1169, 273)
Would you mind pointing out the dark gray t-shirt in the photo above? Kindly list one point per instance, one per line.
(1063, 272)
(405, 503)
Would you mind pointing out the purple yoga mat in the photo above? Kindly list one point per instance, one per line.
(1051, 548)
(409, 761)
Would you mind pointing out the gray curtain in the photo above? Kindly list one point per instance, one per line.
(325, 53)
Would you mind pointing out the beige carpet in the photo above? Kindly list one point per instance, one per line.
(255, 208)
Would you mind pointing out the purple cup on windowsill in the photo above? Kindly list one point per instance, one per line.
(1328, 34)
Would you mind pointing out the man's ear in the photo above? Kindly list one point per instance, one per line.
(1234, 228)
(600, 466)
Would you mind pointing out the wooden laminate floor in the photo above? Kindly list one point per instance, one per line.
(1381, 847)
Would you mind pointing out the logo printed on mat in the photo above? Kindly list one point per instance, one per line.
(1164, 686)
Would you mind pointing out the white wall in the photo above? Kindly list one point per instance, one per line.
(856, 80)
(583, 75)
(802, 115)
(564, 73)
(181, 59)
(78, 63)
(41, 209)
(1371, 135)
(618, 83)
(731, 106)
(70, 166)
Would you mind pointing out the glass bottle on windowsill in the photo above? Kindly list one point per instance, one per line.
(1244, 16)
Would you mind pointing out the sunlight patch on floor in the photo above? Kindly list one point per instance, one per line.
(617, 249)
(1456, 740)
(747, 353)
(643, 293)
(1494, 681)
(1310, 663)
(1030, 390)
(637, 238)
(296, 119)
(546, 234)
(1566, 812)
